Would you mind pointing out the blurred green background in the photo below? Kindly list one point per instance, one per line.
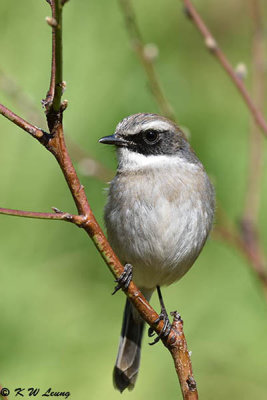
(59, 324)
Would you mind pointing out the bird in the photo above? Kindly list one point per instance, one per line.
(158, 215)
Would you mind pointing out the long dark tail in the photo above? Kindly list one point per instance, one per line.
(128, 358)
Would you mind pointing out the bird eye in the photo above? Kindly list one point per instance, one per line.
(151, 137)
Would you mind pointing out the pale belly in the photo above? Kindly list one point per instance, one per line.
(159, 229)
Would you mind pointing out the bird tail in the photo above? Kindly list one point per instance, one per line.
(128, 358)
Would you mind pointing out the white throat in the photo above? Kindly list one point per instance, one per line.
(132, 161)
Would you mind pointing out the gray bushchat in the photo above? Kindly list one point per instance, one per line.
(158, 215)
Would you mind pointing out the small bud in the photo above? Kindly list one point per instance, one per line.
(241, 71)
(210, 43)
(51, 22)
(56, 210)
(192, 386)
(68, 217)
(64, 105)
(151, 51)
(63, 86)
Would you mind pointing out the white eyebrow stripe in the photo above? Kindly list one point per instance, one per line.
(156, 125)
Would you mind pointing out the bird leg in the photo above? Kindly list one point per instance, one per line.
(124, 279)
(164, 333)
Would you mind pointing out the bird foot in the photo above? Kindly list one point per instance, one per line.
(164, 333)
(124, 279)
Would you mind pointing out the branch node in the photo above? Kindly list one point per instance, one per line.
(210, 43)
(192, 386)
(241, 71)
(51, 22)
(68, 217)
(46, 103)
(176, 317)
(81, 221)
(187, 12)
(63, 86)
(57, 210)
(151, 51)
(64, 105)
(172, 340)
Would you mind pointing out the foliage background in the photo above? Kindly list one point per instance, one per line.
(59, 324)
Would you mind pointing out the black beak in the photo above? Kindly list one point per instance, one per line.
(112, 139)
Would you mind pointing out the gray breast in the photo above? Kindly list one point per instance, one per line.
(158, 220)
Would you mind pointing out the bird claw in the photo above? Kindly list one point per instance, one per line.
(164, 333)
(150, 332)
(124, 279)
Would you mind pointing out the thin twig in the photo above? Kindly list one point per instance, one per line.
(218, 53)
(34, 131)
(256, 148)
(146, 60)
(52, 101)
(60, 216)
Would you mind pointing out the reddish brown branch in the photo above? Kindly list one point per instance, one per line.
(181, 357)
(37, 133)
(57, 215)
(218, 53)
(55, 143)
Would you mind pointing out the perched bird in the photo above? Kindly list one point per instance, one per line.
(158, 215)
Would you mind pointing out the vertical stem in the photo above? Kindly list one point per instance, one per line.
(249, 223)
(252, 201)
(57, 44)
(52, 101)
